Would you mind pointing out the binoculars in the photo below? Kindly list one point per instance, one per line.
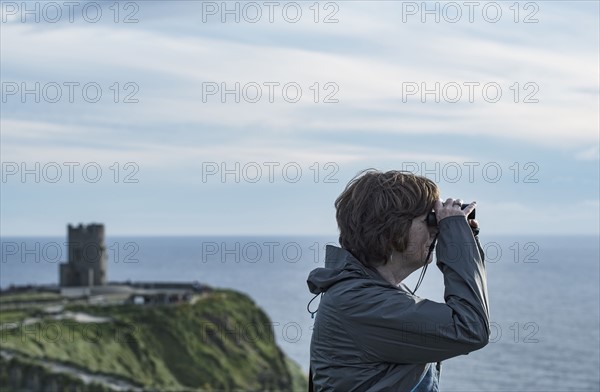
(432, 219)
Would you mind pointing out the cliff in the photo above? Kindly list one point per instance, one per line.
(219, 341)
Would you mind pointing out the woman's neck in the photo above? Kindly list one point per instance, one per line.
(395, 271)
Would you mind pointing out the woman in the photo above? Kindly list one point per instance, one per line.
(371, 332)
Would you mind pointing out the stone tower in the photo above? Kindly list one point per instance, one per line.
(87, 257)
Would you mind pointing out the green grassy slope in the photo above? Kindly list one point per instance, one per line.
(222, 342)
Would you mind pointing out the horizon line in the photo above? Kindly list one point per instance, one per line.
(597, 234)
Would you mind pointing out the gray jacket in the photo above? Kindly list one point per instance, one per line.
(372, 336)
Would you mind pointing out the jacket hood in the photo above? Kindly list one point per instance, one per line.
(339, 265)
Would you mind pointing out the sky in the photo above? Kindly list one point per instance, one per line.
(249, 118)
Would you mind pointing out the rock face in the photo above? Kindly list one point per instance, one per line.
(222, 341)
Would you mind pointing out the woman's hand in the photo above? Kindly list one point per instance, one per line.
(452, 207)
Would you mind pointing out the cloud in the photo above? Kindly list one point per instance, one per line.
(589, 154)
(544, 218)
(179, 154)
(370, 56)
(172, 70)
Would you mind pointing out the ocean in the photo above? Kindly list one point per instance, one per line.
(543, 292)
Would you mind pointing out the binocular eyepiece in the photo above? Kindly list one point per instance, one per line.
(432, 219)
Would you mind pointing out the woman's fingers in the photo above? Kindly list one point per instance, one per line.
(452, 207)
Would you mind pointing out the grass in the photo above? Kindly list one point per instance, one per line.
(10, 316)
(222, 342)
(29, 297)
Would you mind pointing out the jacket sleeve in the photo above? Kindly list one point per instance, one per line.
(394, 326)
